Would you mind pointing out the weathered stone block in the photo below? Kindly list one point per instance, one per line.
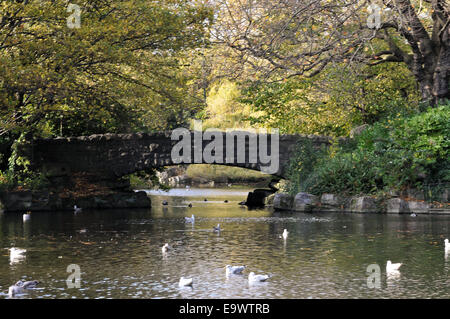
(332, 200)
(418, 207)
(397, 205)
(304, 202)
(283, 201)
(364, 204)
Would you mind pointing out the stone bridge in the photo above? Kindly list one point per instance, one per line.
(111, 156)
(87, 171)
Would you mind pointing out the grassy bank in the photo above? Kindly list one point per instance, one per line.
(226, 174)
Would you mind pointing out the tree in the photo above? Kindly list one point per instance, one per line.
(283, 39)
(119, 70)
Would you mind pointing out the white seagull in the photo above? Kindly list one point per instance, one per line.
(257, 278)
(185, 282)
(77, 209)
(166, 248)
(190, 219)
(285, 234)
(447, 245)
(446, 248)
(392, 267)
(217, 228)
(20, 286)
(234, 269)
(26, 216)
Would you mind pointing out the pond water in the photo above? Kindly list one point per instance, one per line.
(326, 255)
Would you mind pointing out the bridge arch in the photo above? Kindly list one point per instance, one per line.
(117, 155)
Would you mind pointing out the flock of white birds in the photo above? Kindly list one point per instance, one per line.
(18, 254)
(229, 269)
(391, 268)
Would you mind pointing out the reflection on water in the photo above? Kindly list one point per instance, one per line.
(326, 255)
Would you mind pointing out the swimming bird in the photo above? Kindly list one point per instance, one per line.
(243, 203)
(234, 269)
(205, 200)
(27, 284)
(257, 278)
(225, 201)
(20, 286)
(190, 219)
(285, 234)
(190, 205)
(392, 267)
(15, 290)
(165, 203)
(26, 216)
(166, 248)
(77, 209)
(447, 245)
(185, 282)
(413, 215)
(217, 228)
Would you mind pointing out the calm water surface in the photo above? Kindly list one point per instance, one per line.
(325, 255)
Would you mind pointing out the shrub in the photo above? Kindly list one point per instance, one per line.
(402, 152)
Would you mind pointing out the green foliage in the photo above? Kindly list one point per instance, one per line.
(302, 165)
(147, 179)
(123, 70)
(7, 181)
(120, 71)
(19, 173)
(223, 107)
(400, 152)
(334, 101)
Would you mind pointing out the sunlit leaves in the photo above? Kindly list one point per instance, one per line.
(121, 64)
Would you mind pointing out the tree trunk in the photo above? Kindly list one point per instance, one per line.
(430, 58)
(441, 77)
(434, 80)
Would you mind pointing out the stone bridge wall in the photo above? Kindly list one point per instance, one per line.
(117, 155)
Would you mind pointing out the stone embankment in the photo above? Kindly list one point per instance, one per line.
(21, 201)
(304, 202)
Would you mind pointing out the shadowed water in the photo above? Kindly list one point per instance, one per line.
(325, 255)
